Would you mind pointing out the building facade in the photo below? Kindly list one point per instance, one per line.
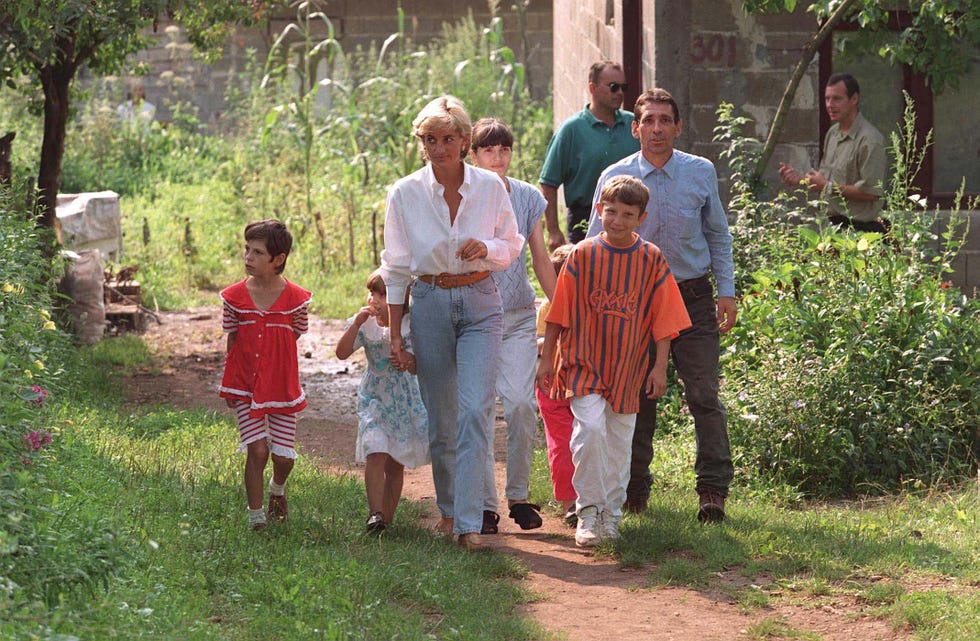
(710, 51)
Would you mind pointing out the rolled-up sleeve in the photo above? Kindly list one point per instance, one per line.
(397, 255)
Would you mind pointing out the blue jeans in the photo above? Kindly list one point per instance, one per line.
(695, 356)
(515, 387)
(456, 339)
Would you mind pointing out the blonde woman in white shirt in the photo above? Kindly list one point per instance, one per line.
(447, 226)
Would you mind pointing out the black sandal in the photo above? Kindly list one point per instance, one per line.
(490, 521)
(376, 523)
(526, 515)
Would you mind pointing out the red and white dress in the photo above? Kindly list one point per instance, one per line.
(262, 367)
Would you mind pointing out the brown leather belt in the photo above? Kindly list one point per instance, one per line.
(448, 281)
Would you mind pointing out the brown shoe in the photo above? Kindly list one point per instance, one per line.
(278, 508)
(712, 506)
(471, 542)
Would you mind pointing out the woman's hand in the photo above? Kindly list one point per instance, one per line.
(472, 249)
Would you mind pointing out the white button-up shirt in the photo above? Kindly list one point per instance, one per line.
(419, 238)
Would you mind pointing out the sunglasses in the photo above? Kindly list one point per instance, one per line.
(616, 87)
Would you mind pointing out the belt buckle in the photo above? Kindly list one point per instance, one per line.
(440, 280)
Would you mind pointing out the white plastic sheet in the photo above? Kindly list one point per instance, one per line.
(91, 221)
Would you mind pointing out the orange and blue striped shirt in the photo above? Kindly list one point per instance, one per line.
(610, 302)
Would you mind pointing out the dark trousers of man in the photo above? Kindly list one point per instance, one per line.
(577, 222)
(880, 225)
(695, 357)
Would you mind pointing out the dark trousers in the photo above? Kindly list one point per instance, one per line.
(879, 224)
(694, 354)
(577, 222)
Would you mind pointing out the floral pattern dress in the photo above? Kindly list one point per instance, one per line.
(391, 415)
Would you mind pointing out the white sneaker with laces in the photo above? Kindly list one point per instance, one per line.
(609, 526)
(588, 533)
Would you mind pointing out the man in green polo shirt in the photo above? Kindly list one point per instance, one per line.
(583, 146)
(852, 173)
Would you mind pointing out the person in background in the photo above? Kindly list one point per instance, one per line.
(492, 145)
(263, 316)
(851, 176)
(137, 108)
(583, 146)
(392, 430)
(448, 225)
(557, 417)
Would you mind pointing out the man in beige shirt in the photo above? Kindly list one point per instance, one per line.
(852, 172)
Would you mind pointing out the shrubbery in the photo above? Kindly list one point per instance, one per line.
(48, 545)
(852, 367)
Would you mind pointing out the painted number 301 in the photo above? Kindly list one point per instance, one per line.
(716, 48)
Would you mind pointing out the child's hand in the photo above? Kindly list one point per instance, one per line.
(230, 402)
(365, 313)
(656, 383)
(545, 375)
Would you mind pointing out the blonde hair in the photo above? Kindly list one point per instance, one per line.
(628, 190)
(444, 111)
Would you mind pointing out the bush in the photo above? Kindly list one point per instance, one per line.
(48, 547)
(852, 365)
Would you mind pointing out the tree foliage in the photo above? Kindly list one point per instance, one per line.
(48, 41)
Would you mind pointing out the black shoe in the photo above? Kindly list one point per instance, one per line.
(636, 503)
(490, 521)
(571, 517)
(711, 506)
(526, 515)
(376, 523)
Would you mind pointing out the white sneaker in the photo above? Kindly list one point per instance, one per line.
(609, 526)
(588, 533)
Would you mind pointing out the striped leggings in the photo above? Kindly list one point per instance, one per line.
(281, 430)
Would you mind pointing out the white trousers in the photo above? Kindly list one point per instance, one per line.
(601, 446)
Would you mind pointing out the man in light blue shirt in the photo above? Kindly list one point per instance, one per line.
(687, 222)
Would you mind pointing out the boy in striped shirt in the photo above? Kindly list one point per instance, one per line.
(614, 293)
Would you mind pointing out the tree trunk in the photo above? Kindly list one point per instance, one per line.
(776, 128)
(55, 80)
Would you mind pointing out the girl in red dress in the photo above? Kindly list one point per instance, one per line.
(263, 317)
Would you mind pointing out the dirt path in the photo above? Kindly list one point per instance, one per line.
(583, 597)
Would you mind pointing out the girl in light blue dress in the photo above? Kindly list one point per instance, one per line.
(392, 429)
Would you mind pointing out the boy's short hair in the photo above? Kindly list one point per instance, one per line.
(376, 284)
(560, 255)
(444, 111)
(490, 132)
(656, 95)
(277, 238)
(628, 190)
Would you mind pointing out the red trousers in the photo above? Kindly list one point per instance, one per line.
(557, 417)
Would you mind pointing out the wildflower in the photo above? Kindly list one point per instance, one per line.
(39, 395)
(38, 364)
(45, 313)
(28, 373)
(863, 245)
(49, 325)
(7, 288)
(798, 404)
(37, 440)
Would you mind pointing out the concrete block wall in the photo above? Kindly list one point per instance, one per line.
(175, 76)
(584, 33)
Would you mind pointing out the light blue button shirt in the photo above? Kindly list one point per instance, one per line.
(685, 218)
